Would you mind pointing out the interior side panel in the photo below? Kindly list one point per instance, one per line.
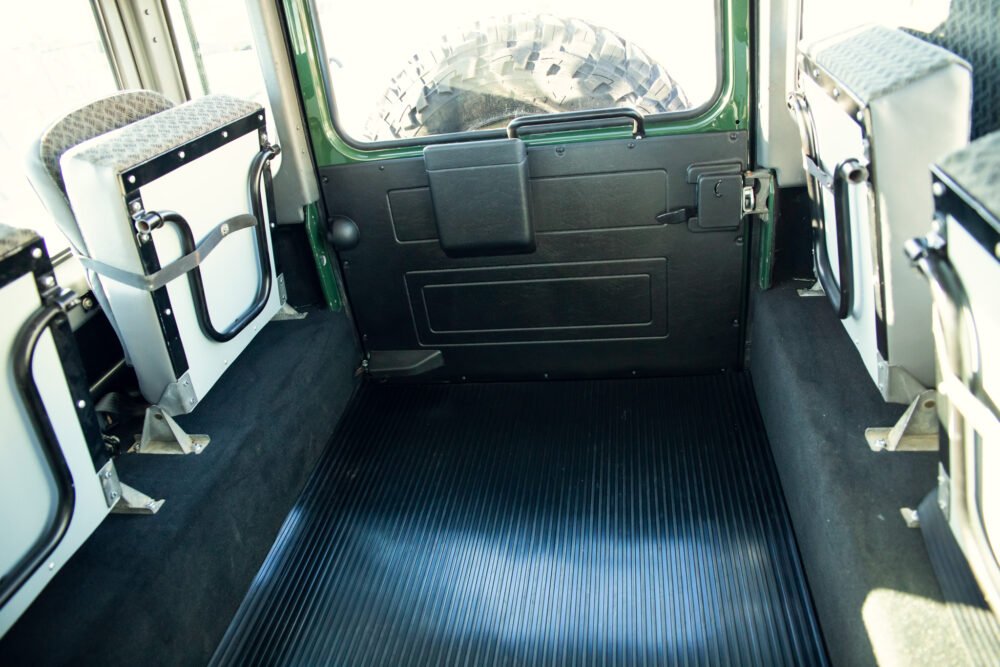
(609, 289)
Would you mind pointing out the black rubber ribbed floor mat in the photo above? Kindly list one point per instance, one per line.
(605, 522)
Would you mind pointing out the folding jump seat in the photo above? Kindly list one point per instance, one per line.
(171, 212)
(961, 260)
(171, 215)
(875, 108)
(57, 480)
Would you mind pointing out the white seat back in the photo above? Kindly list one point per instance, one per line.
(893, 104)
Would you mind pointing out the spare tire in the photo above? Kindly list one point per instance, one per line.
(515, 65)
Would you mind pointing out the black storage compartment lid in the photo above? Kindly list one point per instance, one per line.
(474, 154)
(480, 195)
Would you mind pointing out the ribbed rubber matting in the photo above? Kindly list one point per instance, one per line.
(577, 523)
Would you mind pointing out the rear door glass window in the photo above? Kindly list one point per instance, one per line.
(401, 70)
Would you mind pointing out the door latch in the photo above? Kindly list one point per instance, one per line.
(757, 186)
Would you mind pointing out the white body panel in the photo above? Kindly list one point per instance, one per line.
(27, 490)
(206, 191)
(903, 128)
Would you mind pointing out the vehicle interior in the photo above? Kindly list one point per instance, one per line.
(551, 334)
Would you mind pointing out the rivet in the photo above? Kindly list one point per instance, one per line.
(815, 73)
(81, 404)
(225, 134)
(182, 155)
(836, 93)
(36, 253)
(131, 179)
(52, 565)
(168, 312)
(938, 189)
(48, 281)
(260, 116)
(263, 137)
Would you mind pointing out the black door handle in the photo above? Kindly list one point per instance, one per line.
(624, 113)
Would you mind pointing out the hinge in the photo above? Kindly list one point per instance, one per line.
(757, 186)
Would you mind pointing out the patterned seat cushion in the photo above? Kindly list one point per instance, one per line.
(94, 119)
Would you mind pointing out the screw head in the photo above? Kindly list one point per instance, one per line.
(52, 565)
(114, 495)
(36, 253)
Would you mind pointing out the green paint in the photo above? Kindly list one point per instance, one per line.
(766, 236)
(731, 111)
(324, 259)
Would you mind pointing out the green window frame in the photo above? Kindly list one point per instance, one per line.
(728, 111)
